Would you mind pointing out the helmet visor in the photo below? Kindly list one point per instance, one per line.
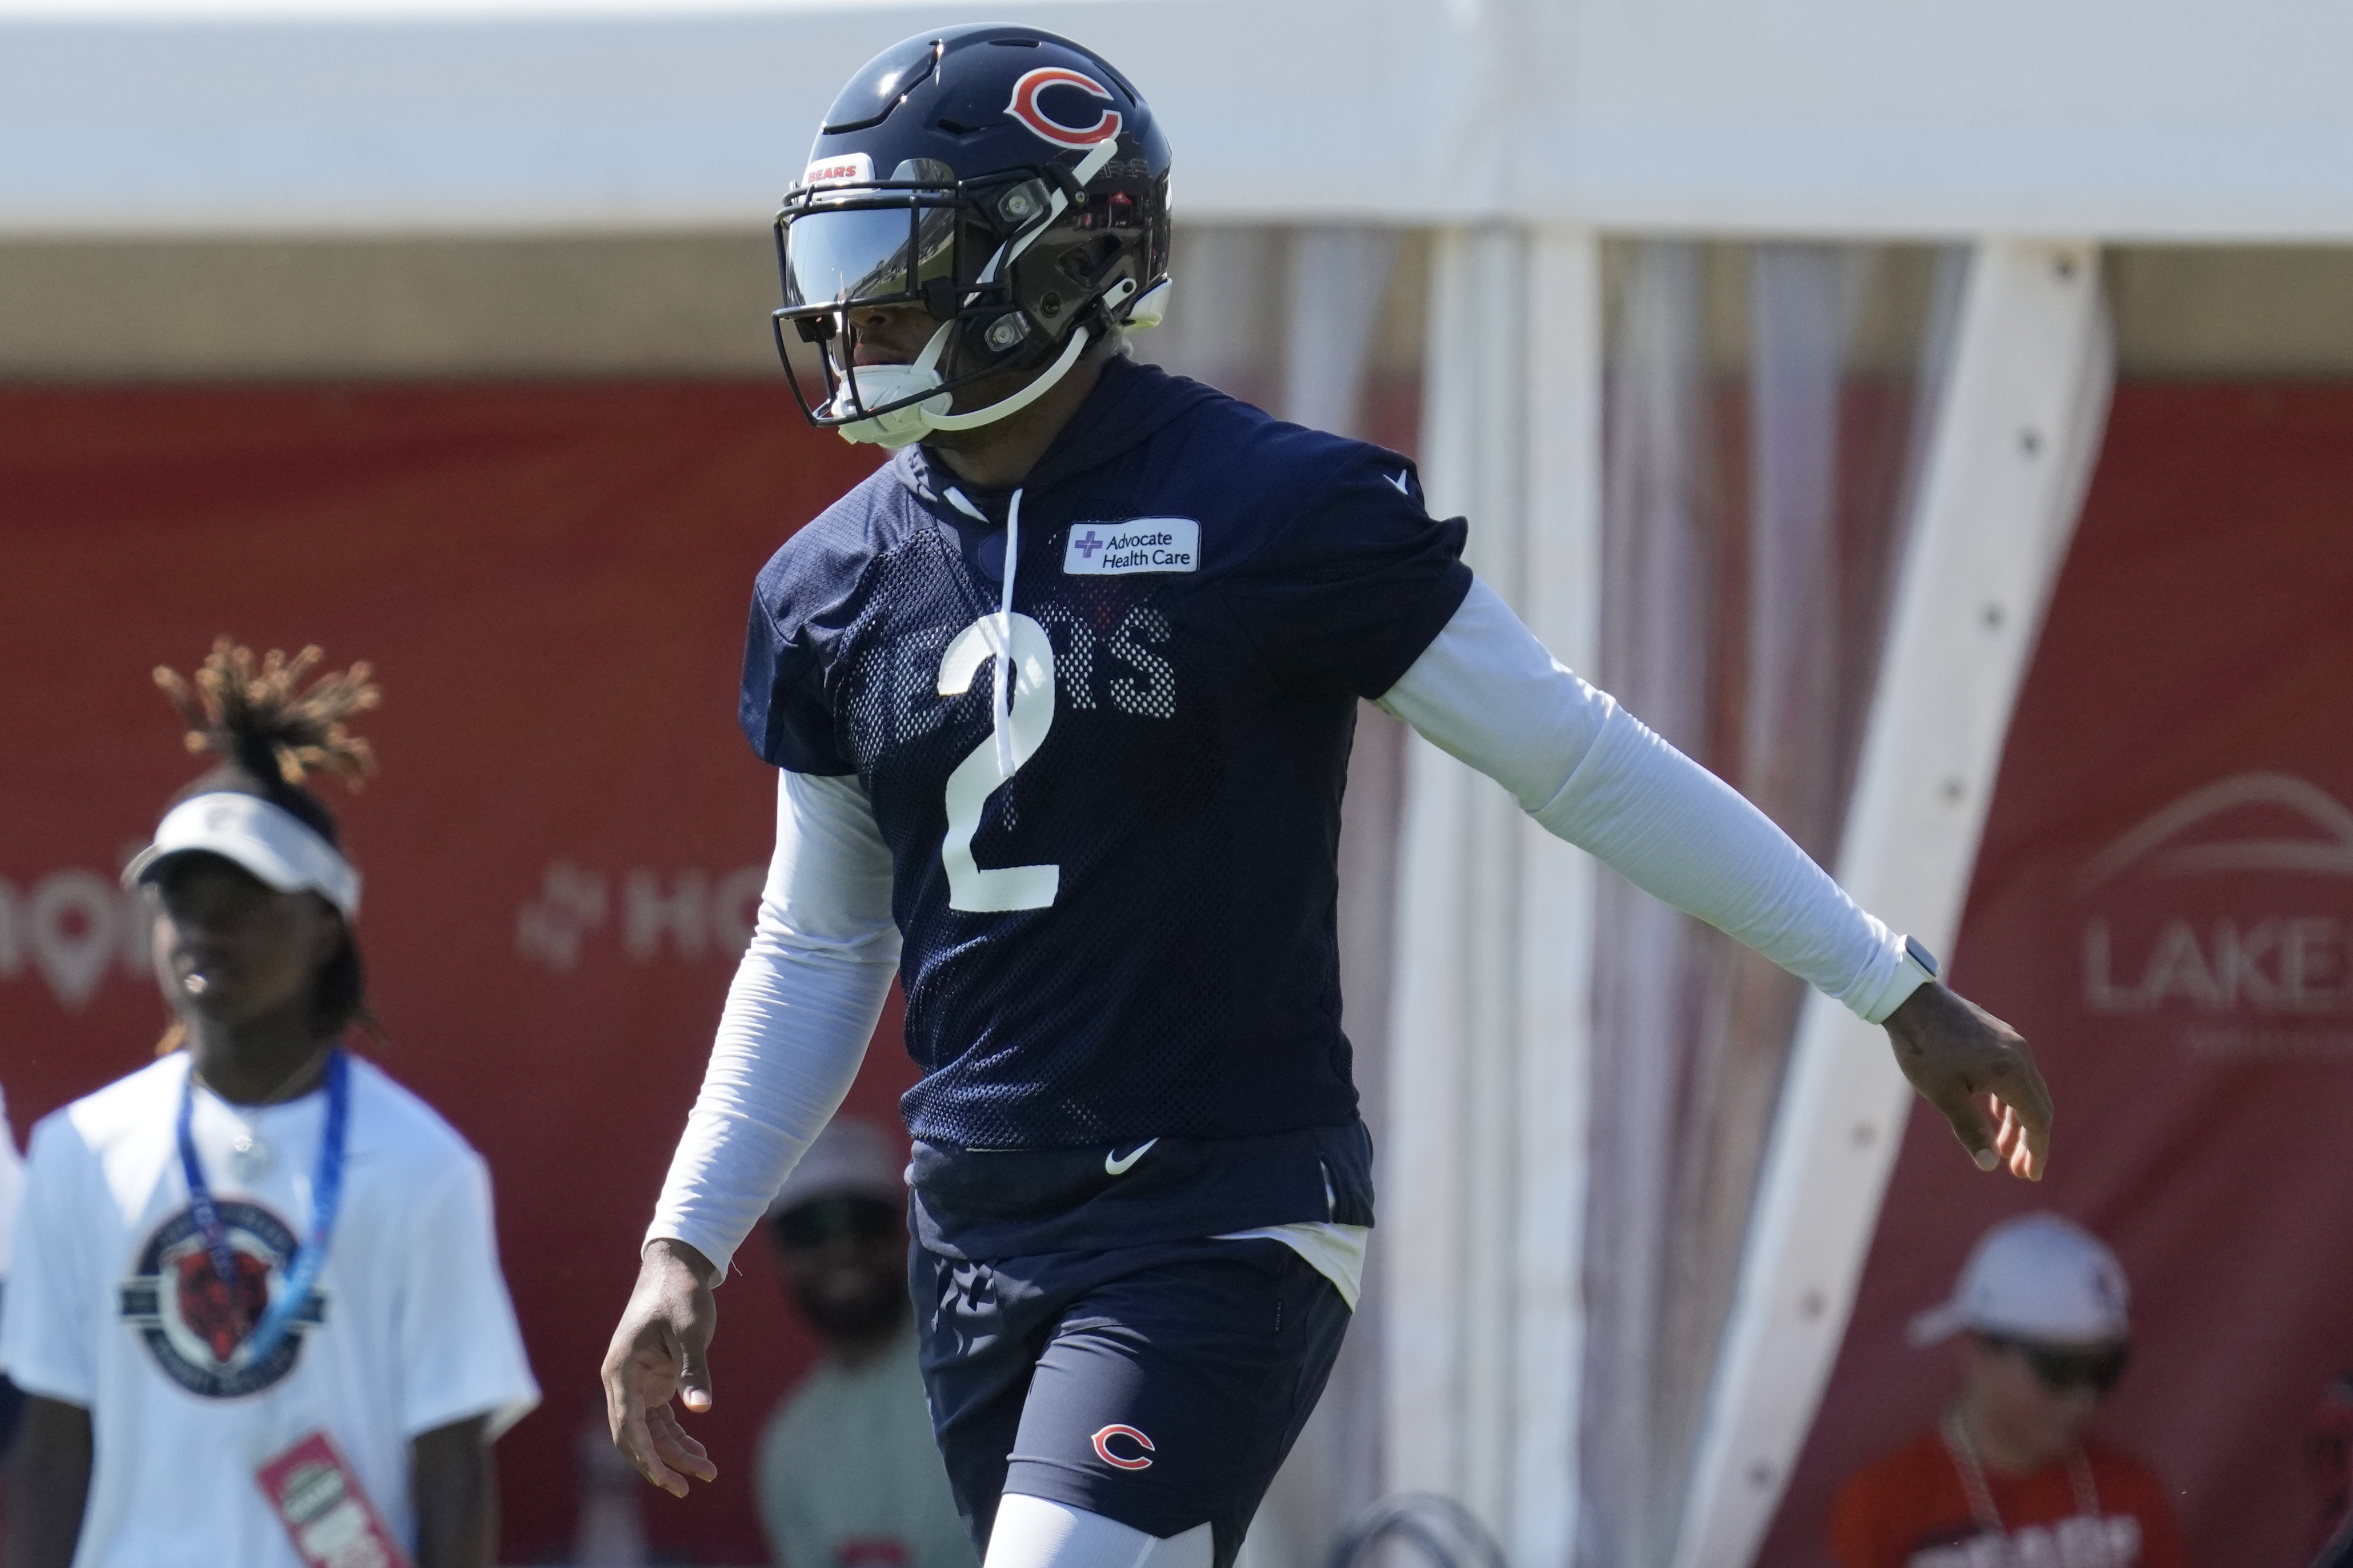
(840, 255)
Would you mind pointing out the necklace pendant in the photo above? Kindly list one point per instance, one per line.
(249, 1156)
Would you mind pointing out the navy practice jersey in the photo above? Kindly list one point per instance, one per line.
(1132, 936)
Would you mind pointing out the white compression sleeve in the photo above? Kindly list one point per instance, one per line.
(1488, 692)
(1037, 1532)
(803, 1005)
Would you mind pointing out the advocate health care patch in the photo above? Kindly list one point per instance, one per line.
(1139, 544)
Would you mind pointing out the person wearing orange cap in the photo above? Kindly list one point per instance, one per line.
(2011, 1474)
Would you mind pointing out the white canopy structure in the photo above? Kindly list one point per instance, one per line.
(1522, 132)
(1830, 117)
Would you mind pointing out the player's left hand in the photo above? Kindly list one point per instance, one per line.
(1979, 1072)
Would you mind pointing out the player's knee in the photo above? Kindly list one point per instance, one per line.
(1037, 1532)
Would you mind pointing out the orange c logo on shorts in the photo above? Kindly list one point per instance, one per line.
(1103, 1448)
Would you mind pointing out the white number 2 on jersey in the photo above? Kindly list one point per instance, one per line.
(978, 776)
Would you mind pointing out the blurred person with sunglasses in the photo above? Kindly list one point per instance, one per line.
(848, 1474)
(2010, 1474)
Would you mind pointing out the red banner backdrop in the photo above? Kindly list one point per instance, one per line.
(564, 848)
(2163, 905)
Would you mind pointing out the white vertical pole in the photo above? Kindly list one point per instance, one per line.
(1420, 1247)
(1448, 1197)
(1560, 598)
(2016, 432)
(1490, 1033)
(1337, 279)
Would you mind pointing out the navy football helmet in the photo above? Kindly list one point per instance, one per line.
(1009, 183)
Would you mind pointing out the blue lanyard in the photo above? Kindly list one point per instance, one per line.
(326, 1197)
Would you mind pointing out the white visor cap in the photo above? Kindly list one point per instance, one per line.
(2038, 1276)
(268, 840)
(851, 1157)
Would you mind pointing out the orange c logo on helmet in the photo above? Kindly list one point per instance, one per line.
(1024, 108)
(1103, 1448)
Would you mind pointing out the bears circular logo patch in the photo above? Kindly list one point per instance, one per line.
(195, 1324)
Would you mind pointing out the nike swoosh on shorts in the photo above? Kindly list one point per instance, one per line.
(1115, 1166)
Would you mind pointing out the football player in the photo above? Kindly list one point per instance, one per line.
(1061, 700)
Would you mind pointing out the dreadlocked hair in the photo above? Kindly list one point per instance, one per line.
(250, 711)
(271, 734)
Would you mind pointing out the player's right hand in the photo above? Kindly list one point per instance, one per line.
(661, 1350)
(1980, 1074)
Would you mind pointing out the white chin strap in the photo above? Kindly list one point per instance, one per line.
(904, 426)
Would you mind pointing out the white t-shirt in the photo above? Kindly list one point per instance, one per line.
(115, 1305)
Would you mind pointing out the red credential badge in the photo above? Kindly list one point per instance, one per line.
(325, 1509)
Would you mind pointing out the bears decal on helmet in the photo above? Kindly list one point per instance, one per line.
(1024, 108)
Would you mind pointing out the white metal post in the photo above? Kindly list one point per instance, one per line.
(1491, 1030)
(1559, 596)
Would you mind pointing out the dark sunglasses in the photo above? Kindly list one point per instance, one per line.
(2061, 1369)
(844, 1217)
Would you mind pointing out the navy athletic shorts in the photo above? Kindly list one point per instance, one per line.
(1158, 1386)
